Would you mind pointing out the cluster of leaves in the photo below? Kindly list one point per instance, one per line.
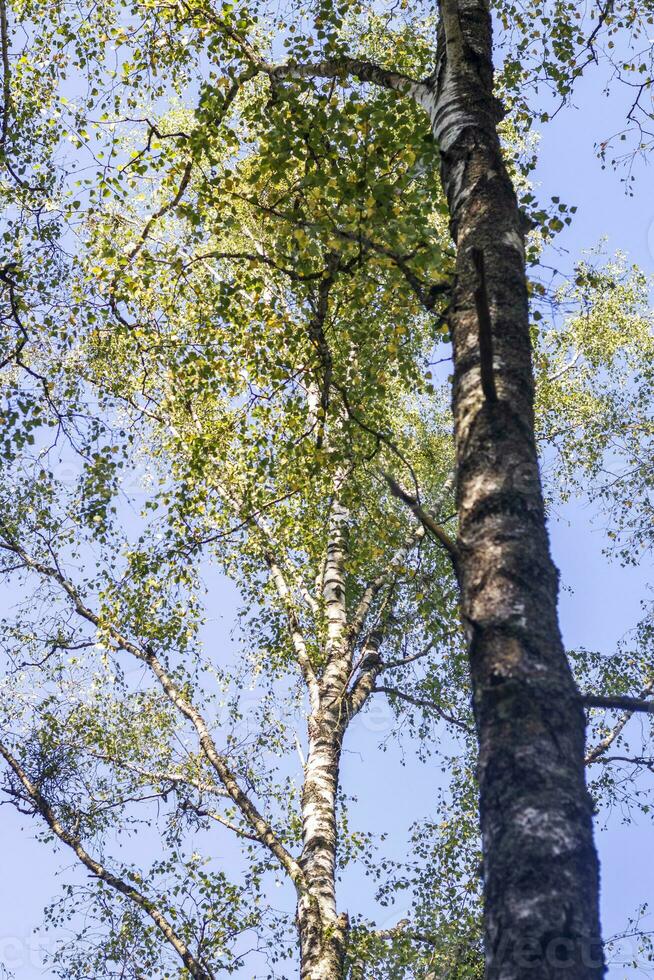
(595, 407)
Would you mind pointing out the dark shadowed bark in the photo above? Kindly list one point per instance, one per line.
(540, 864)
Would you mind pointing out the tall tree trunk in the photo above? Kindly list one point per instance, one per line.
(323, 932)
(540, 864)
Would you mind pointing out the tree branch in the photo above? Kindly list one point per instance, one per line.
(364, 71)
(163, 210)
(620, 703)
(428, 294)
(283, 591)
(390, 664)
(384, 578)
(342, 68)
(218, 818)
(647, 763)
(264, 831)
(173, 778)
(423, 703)
(593, 754)
(297, 637)
(118, 884)
(319, 340)
(424, 517)
(369, 664)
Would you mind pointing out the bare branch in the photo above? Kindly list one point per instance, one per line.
(642, 761)
(423, 703)
(167, 776)
(424, 517)
(218, 818)
(620, 703)
(594, 753)
(390, 664)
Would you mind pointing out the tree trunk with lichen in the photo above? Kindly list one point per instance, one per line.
(540, 864)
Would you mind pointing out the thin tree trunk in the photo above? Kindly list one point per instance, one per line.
(323, 932)
(540, 863)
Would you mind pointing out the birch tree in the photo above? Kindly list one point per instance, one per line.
(282, 225)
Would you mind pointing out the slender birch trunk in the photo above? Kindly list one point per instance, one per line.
(323, 932)
(540, 863)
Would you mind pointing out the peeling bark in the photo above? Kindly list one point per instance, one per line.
(323, 932)
(540, 864)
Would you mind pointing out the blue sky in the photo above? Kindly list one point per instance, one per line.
(603, 604)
